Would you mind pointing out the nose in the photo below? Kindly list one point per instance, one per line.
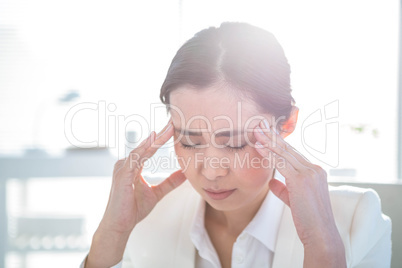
(214, 167)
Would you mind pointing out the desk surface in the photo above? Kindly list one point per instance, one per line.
(81, 163)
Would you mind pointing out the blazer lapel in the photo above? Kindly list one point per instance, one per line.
(289, 250)
(162, 239)
(185, 250)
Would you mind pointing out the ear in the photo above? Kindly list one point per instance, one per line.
(289, 126)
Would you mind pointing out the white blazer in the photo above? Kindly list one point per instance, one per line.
(162, 238)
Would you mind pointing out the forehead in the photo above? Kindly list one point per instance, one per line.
(213, 107)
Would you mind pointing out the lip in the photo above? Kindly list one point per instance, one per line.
(218, 194)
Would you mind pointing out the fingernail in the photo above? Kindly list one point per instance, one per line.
(266, 124)
(169, 126)
(260, 130)
(258, 145)
(153, 137)
(164, 131)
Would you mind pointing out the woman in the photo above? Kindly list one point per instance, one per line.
(254, 201)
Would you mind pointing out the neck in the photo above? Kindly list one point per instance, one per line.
(235, 221)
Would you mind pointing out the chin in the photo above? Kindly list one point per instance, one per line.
(221, 206)
(227, 204)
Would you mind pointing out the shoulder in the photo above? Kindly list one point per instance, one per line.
(346, 199)
(352, 204)
(365, 230)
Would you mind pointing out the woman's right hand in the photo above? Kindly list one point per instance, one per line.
(131, 200)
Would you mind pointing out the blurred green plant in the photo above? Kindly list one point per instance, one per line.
(364, 128)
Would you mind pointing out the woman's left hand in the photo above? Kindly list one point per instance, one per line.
(306, 193)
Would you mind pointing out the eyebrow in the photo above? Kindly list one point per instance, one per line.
(218, 134)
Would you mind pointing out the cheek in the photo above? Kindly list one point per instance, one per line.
(253, 181)
(250, 165)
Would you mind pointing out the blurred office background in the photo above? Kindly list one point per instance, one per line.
(79, 87)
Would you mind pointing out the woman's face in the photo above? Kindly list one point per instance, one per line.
(214, 143)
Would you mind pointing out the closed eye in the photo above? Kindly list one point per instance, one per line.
(242, 147)
(189, 147)
(199, 146)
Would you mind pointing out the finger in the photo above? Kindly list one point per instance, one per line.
(172, 182)
(279, 162)
(133, 160)
(273, 134)
(280, 190)
(139, 155)
(118, 165)
(163, 136)
(137, 177)
(268, 145)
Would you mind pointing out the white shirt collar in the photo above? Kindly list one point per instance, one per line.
(265, 224)
(199, 235)
(263, 227)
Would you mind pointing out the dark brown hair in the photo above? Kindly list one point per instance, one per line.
(247, 58)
